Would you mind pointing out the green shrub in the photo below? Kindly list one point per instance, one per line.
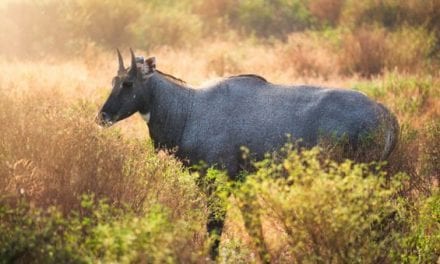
(35, 30)
(167, 23)
(409, 49)
(430, 156)
(340, 213)
(410, 97)
(234, 251)
(406, 95)
(421, 243)
(385, 13)
(106, 23)
(270, 18)
(96, 233)
(393, 14)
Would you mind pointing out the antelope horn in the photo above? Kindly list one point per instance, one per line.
(133, 62)
(121, 62)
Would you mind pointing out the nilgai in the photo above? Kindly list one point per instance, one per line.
(212, 123)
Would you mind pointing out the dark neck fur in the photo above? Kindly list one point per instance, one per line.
(170, 107)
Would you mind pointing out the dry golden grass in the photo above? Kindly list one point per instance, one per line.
(52, 84)
(52, 152)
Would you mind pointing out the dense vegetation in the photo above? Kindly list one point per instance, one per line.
(71, 192)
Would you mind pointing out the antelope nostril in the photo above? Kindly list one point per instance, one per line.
(103, 118)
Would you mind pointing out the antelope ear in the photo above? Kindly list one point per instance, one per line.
(151, 64)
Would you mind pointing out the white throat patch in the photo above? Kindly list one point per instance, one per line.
(146, 117)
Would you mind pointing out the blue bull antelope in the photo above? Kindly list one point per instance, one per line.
(212, 123)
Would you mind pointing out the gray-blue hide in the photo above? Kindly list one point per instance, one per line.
(211, 123)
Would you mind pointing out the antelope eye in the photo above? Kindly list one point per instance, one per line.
(127, 84)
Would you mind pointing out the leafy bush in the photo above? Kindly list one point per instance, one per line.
(430, 156)
(106, 23)
(391, 13)
(407, 96)
(318, 210)
(410, 98)
(409, 49)
(421, 242)
(271, 18)
(168, 23)
(327, 211)
(97, 232)
(35, 30)
(384, 13)
(389, 33)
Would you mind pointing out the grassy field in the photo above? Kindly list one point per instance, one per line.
(73, 192)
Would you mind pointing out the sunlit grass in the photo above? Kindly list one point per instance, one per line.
(139, 201)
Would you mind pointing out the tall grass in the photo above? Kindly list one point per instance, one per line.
(52, 153)
(73, 192)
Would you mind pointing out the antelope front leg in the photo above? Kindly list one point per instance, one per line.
(215, 223)
(214, 184)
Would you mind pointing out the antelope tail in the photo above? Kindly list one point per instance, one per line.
(391, 134)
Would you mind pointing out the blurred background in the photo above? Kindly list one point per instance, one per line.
(308, 37)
